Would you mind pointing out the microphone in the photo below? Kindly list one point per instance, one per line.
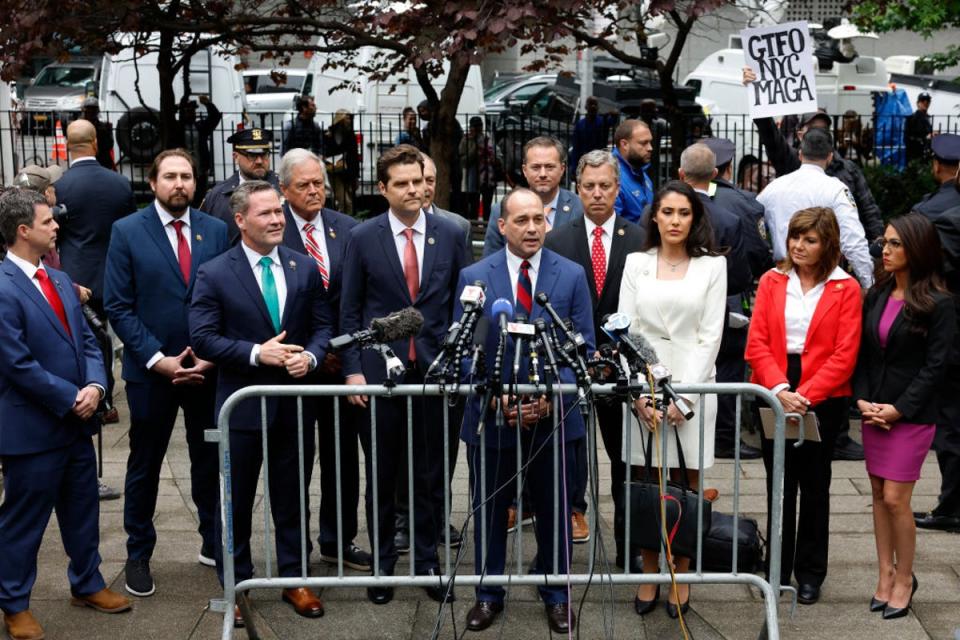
(479, 344)
(616, 325)
(471, 299)
(520, 330)
(571, 349)
(405, 323)
(544, 301)
(502, 310)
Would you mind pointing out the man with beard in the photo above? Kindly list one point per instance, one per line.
(633, 144)
(544, 163)
(251, 153)
(151, 267)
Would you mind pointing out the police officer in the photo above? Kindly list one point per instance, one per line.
(251, 153)
(730, 363)
(918, 129)
(946, 161)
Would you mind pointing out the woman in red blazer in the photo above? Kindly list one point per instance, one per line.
(802, 345)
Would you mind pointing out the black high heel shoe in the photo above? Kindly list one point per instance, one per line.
(674, 611)
(643, 607)
(877, 605)
(889, 613)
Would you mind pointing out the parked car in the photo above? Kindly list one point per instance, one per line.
(514, 89)
(273, 90)
(58, 90)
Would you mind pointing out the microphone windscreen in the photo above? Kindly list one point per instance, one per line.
(398, 325)
(542, 298)
(647, 352)
(480, 332)
(502, 306)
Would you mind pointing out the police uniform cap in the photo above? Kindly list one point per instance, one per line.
(254, 141)
(923, 97)
(946, 148)
(722, 148)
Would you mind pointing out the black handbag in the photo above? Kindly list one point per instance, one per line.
(680, 507)
(718, 545)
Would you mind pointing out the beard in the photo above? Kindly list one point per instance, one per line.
(176, 203)
(255, 173)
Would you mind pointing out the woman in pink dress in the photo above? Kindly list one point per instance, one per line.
(909, 323)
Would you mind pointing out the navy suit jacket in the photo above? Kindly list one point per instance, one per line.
(569, 207)
(336, 228)
(374, 286)
(41, 366)
(228, 316)
(145, 296)
(95, 198)
(565, 283)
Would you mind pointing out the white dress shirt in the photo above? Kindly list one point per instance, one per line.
(810, 186)
(277, 269)
(800, 306)
(166, 219)
(513, 267)
(76, 161)
(319, 237)
(397, 227)
(606, 239)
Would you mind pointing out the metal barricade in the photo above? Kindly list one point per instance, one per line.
(233, 591)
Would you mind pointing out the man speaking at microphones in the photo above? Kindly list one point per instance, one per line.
(518, 274)
(399, 259)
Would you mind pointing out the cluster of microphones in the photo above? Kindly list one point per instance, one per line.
(556, 343)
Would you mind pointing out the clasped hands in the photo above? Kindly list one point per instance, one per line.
(530, 412)
(880, 415)
(172, 367)
(647, 411)
(274, 353)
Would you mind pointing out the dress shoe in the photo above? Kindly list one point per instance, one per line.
(380, 595)
(482, 614)
(528, 518)
(139, 581)
(106, 492)
(304, 602)
(673, 610)
(401, 540)
(23, 626)
(353, 556)
(808, 594)
(643, 607)
(560, 618)
(580, 528)
(439, 593)
(937, 523)
(848, 450)
(111, 416)
(877, 605)
(238, 621)
(205, 557)
(104, 600)
(746, 452)
(889, 613)
(455, 538)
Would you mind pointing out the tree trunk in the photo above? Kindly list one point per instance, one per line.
(168, 99)
(678, 123)
(443, 144)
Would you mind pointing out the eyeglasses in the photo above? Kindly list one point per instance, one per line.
(894, 244)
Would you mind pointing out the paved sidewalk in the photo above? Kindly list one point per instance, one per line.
(178, 610)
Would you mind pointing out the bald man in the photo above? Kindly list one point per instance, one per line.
(94, 197)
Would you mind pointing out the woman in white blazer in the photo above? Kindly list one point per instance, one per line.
(675, 295)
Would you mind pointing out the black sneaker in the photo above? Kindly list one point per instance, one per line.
(206, 556)
(139, 580)
(353, 557)
(401, 540)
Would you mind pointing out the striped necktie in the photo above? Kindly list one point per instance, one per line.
(314, 250)
(525, 288)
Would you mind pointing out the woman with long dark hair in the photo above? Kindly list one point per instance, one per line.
(802, 345)
(675, 294)
(909, 323)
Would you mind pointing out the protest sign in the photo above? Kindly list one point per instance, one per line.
(782, 58)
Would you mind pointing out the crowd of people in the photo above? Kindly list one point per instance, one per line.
(829, 306)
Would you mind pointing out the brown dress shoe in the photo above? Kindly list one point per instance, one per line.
(23, 626)
(482, 614)
(111, 416)
(304, 602)
(580, 528)
(560, 618)
(104, 600)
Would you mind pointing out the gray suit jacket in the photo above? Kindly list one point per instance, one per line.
(569, 208)
(456, 218)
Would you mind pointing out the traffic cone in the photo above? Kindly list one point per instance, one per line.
(59, 145)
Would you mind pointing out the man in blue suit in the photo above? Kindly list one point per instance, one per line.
(151, 266)
(544, 163)
(51, 381)
(399, 259)
(518, 273)
(94, 198)
(322, 233)
(260, 313)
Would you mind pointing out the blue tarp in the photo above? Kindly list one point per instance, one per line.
(892, 111)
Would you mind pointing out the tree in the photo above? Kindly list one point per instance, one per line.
(922, 17)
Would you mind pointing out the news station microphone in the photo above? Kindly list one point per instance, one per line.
(479, 345)
(454, 344)
(546, 341)
(405, 323)
(502, 310)
(544, 301)
(616, 326)
(520, 331)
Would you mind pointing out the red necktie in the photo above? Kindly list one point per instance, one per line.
(525, 288)
(183, 250)
(411, 273)
(50, 293)
(314, 250)
(598, 256)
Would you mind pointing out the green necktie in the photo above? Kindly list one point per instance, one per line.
(270, 291)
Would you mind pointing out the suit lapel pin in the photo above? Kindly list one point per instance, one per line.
(293, 265)
(621, 232)
(839, 286)
(333, 234)
(566, 208)
(431, 241)
(199, 238)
